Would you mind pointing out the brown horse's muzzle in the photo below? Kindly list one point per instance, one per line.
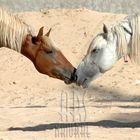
(72, 78)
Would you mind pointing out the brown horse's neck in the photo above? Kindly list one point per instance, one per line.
(28, 50)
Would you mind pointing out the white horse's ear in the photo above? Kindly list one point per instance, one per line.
(107, 32)
(105, 29)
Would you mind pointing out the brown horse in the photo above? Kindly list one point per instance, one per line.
(40, 49)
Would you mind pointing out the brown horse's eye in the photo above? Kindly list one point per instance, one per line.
(49, 51)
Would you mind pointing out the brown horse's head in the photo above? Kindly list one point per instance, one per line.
(46, 58)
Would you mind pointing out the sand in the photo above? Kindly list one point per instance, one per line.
(32, 105)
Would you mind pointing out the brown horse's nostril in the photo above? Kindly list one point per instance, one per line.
(73, 75)
(70, 76)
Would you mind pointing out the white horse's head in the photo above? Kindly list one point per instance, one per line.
(106, 48)
(100, 57)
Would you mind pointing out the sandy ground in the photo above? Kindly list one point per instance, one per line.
(36, 107)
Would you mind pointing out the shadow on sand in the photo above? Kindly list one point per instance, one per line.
(103, 123)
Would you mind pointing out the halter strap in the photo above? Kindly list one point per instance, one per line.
(127, 31)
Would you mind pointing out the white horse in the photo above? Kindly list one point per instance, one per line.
(116, 41)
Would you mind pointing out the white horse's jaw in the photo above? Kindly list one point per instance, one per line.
(86, 73)
(107, 60)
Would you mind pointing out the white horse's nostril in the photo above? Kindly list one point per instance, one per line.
(76, 77)
(85, 80)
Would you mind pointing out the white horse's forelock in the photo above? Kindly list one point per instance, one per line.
(12, 31)
(97, 41)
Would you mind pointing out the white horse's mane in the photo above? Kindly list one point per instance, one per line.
(12, 30)
(134, 44)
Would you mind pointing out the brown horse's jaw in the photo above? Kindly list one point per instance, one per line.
(67, 81)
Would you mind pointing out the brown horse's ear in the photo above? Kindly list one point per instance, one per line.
(40, 34)
(48, 33)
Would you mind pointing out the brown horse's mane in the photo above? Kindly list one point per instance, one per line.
(12, 30)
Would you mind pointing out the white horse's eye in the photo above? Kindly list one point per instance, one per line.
(95, 50)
